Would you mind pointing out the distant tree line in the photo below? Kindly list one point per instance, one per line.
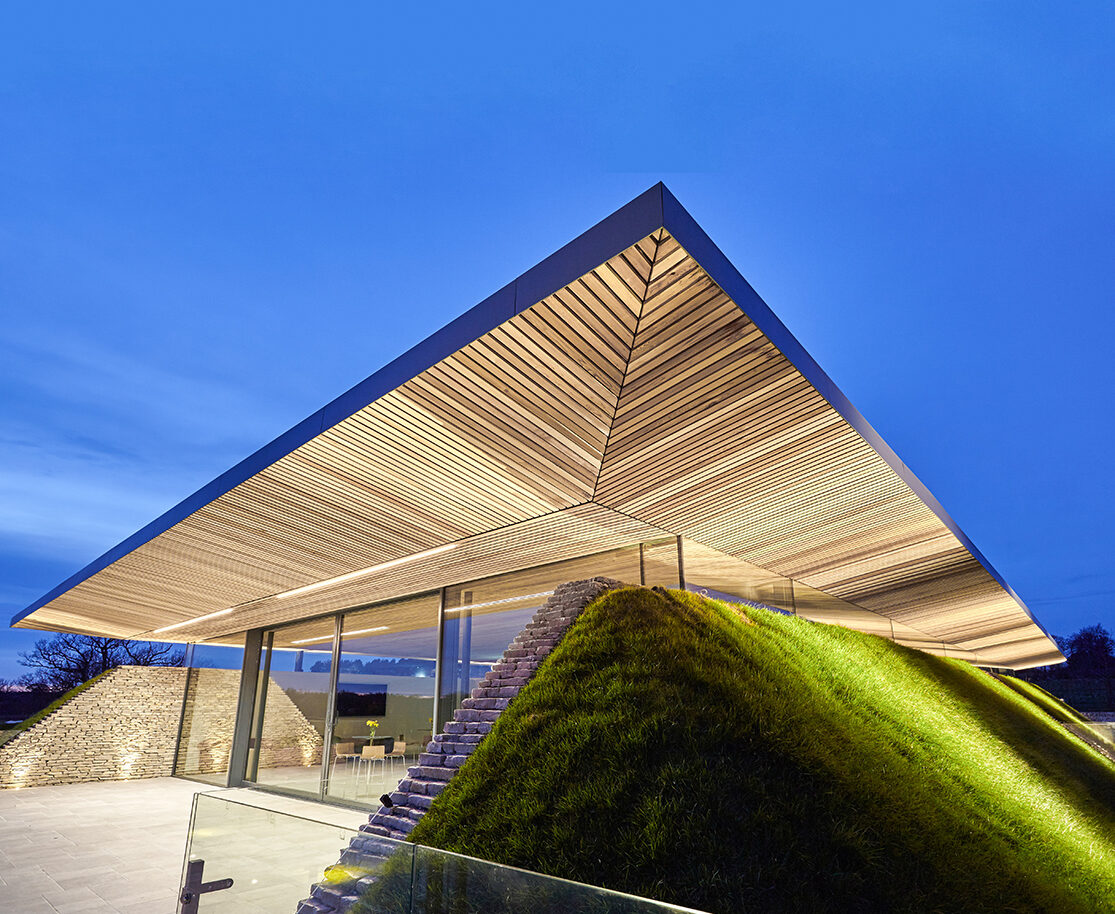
(62, 662)
(380, 666)
(1090, 652)
(1087, 679)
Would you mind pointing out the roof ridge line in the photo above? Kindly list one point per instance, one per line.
(630, 353)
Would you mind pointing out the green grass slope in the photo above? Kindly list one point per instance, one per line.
(12, 732)
(674, 748)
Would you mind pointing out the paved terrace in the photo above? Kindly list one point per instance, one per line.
(111, 847)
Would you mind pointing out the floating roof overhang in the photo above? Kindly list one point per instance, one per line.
(631, 385)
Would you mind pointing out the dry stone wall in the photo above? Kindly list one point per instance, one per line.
(125, 726)
(122, 727)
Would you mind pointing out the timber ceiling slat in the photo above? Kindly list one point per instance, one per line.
(637, 399)
(572, 319)
(465, 472)
(722, 416)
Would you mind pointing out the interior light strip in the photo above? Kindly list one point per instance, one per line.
(167, 628)
(383, 566)
(359, 631)
(526, 596)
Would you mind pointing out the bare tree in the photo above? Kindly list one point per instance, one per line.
(67, 660)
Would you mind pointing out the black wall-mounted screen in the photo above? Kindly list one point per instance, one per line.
(369, 701)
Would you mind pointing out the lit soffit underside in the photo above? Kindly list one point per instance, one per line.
(636, 399)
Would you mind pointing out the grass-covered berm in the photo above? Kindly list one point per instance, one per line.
(738, 760)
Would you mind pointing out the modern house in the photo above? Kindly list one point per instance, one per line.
(629, 407)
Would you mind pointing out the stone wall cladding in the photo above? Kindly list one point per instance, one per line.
(125, 725)
(122, 727)
(451, 748)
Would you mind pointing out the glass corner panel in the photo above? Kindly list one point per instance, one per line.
(659, 565)
(209, 710)
(720, 575)
(288, 723)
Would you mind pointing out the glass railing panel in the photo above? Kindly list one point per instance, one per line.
(261, 860)
(446, 883)
(273, 859)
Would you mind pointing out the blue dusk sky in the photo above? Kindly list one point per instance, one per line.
(216, 217)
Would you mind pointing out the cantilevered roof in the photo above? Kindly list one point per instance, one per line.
(629, 386)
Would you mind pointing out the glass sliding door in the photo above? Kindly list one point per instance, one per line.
(384, 707)
(291, 707)
(343, 703)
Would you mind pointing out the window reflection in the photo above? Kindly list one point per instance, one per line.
(721, 575)
(383, 713)
(482, 617)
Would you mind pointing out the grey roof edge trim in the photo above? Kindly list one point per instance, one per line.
(704, 250)
(617, 232)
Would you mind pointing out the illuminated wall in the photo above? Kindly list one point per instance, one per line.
(122, 727)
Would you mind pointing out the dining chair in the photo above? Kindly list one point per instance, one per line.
(398, 753)
(344, 752)
(370, 756)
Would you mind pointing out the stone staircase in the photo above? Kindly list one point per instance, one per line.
(451, 748)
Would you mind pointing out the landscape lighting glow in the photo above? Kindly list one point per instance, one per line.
(167, 628)
(526, 596)
(359, 631)
(363, 571)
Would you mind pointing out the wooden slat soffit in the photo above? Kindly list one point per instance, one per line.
(638, 399)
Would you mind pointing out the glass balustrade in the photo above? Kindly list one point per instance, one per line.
(251, 860)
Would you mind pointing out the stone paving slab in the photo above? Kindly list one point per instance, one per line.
(97, 848)
(111, 847)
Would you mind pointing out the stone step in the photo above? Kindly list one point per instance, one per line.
(364, 862)
(485, 704)
(500, 677)
(508, 682)
(446, 761)
(336, 899)
(470, 715)
(403, 824)
(454, 748)
(457, 738)
(373, 846)
(432, 773)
